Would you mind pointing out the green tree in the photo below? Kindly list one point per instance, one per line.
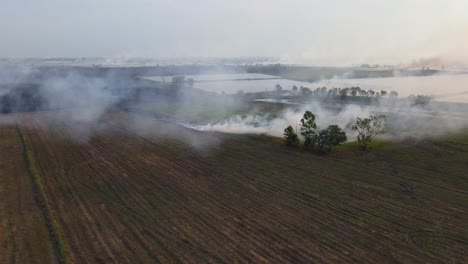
(337, 135)
(323, 141)
(308, 129)
(368, 128)
(330, 137)
(291, 136)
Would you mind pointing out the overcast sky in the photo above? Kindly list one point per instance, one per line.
(332, 32)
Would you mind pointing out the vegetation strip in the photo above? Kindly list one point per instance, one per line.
(60, 246)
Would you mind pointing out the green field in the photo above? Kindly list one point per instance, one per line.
(209, 111)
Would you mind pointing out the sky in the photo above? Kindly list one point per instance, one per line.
(332, 32)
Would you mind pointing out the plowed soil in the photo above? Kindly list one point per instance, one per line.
(169, 194)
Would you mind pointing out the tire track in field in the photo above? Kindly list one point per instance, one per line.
(99, 167)
(59, 244)
(88, 223)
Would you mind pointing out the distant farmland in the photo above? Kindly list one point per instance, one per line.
(176, 195)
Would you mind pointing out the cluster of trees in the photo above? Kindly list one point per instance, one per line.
(321, 140)
(353, 92)
(333, 135)
(342, 92)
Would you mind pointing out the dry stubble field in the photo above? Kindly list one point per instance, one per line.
(170, 194)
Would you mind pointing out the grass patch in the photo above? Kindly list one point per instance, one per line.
(375, 144)
(204, 112)
(196, 112)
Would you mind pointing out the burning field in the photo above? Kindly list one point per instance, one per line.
(102, 166)
(233, 131)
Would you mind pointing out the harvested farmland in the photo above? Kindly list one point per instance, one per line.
(172, 194)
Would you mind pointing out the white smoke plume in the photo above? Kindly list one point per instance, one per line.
(404, 120)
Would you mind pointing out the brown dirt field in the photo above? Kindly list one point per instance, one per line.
(175, 195)
(24, 237)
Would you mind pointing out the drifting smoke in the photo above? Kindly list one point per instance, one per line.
(84, 96)
(432, 62)
(260, 124)
(84, 100)
(404, 119)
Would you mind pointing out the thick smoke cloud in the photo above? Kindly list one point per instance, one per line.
(260, 124)
(404, 119)
(85, 101)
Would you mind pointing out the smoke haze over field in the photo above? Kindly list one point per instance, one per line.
(88, 34)
(85, 103)
(338, 32)
(403, 121)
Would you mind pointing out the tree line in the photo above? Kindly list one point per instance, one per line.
(323, 140)
(342, 92)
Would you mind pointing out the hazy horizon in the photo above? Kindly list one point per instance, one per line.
(335, 33)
